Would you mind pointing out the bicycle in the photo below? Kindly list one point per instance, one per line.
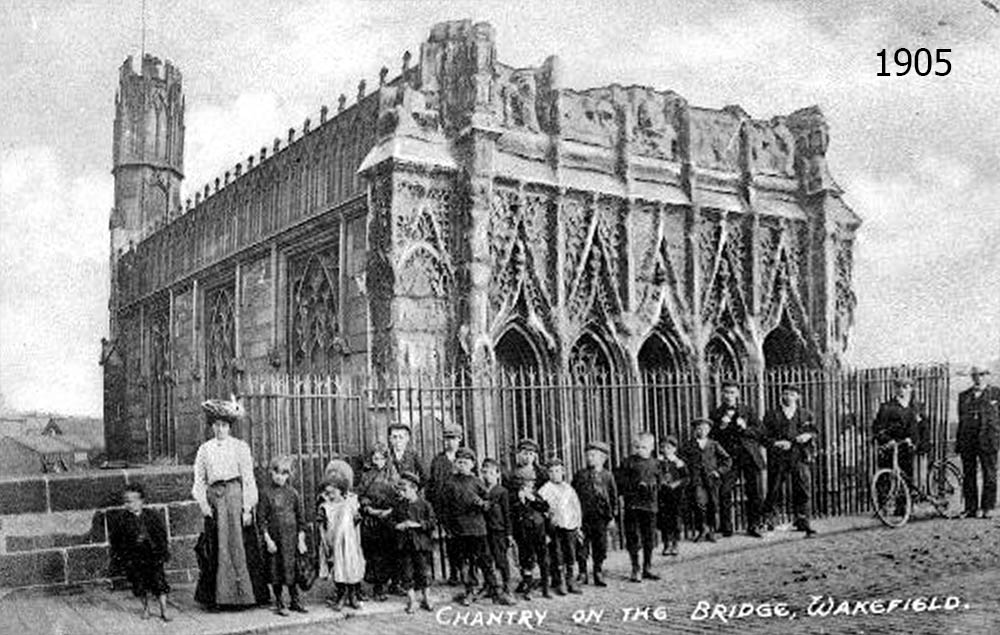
(894, 495)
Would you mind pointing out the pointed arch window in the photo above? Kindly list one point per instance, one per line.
(316, 345)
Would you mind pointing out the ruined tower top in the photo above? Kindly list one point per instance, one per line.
(148, 149)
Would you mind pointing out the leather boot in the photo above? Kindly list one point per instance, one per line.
(599, 577)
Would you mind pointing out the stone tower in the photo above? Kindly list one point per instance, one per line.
(148, 150)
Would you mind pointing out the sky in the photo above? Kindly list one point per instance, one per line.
(918, 157)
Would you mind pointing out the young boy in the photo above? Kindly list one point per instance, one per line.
(498, 525)
(528, 512)
(284, 528)
(465, 497)
(598, 496)
(143, 542)
(414, 521)
(673, 477)
(565, 518)
(706, 462)
(638, 481)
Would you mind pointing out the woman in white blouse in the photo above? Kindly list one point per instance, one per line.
(225, 488)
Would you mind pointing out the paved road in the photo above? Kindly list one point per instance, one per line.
(957, 562)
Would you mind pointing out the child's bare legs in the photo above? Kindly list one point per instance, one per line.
(162, 599)
(145, 607)
(410, 599)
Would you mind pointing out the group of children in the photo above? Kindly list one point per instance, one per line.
(383, 530)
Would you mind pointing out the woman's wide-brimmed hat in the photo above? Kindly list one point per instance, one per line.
(217, 409)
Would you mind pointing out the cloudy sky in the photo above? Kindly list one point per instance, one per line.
(918, 157)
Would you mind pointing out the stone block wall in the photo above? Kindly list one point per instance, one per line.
(54, 529)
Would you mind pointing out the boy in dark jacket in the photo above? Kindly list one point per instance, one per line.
(598, 496)
(466, 501)
(706, 462)
(638, 480)
(673, 478)
(413, 520)
(142, 539)
(498, 525)
(528, 512)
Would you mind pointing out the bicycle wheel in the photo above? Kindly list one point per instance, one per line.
(944, 488)
(891, 497)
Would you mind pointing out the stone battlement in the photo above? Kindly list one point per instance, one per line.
(152, 68)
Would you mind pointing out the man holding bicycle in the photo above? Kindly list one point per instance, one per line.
(901, 421)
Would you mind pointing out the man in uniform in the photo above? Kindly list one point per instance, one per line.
(736, 428)
(978, 442)
(790, 435)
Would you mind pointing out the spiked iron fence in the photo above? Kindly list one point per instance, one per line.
(316, 418)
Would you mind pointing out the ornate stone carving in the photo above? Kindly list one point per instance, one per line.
(772, 148)
(423, 226)
(846, 300)
(715, 139)
(589, 117)
(594, 249)
(654, 120)
(521, 282)
(520, 97)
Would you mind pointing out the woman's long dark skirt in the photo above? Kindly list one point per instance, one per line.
(231, 568)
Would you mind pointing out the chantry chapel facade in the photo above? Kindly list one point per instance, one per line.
(466, 214)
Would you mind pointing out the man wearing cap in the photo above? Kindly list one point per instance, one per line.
(736, 428)
(598, 496)
(978, 442)
(790, 436)
(442, 468)
(403, 458)
(225, 489)
(900, 420)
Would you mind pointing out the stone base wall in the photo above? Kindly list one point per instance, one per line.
(54, 528)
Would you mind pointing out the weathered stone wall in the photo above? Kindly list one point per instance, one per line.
(54, 529)
(185, 369)
(257, 314)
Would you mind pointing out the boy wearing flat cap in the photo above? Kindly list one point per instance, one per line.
(598, 496)
(466, 504)
(790, 436)
(442, 467)
(528, 512)
(638, 480)
(707, 462)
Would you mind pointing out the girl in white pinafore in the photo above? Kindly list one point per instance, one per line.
(340, 554)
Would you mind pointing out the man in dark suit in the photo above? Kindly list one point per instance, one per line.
(707, 463)
(901, 419)
(790, 435)
(736, 428)
(978, 442)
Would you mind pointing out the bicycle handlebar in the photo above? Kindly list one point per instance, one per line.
(893, 442)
